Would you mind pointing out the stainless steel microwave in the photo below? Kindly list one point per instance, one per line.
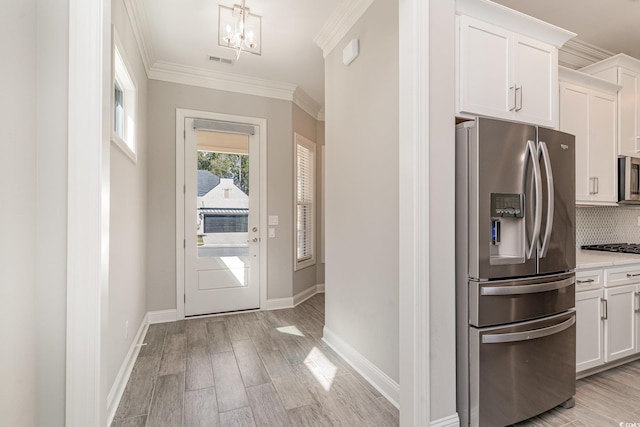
(629, 180)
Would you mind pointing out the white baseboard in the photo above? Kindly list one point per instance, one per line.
(162, 316)
(381, 381)
(120, 383)
(290, 302)
(450, 421)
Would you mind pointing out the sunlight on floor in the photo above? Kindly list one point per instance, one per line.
(322, 369)
(291, 330)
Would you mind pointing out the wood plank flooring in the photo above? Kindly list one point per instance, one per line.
(267, 368)
(610, 398)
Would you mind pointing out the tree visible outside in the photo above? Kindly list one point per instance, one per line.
(233, 166)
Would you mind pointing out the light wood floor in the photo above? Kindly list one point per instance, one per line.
(610, 398)
(266, 368)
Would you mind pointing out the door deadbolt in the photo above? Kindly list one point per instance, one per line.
(254, 229)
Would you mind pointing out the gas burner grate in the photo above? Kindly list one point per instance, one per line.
(627, 248)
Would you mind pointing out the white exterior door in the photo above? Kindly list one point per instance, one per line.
(222, 217)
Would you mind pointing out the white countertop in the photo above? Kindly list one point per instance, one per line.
(595, 259)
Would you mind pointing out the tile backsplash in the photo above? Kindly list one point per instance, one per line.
(607, 224)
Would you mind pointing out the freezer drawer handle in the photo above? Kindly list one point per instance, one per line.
(527, 289)
(528, 335)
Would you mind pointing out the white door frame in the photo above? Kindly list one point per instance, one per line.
(181, 114)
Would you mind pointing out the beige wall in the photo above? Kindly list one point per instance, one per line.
(51, 210)
(18, 45)
(362, 189)
(163, 99)
(128, 215)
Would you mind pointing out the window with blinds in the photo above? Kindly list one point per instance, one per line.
(305, 201)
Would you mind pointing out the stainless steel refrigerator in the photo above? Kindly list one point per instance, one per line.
(515, 285)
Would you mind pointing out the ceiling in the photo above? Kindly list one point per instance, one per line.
(182, 34)
(613, 25)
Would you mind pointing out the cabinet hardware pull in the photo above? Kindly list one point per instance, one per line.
(630, 275)
(513, 88)
(592, 185)
(518, 107)
(597, 185)
(605, 309)
(586, 281)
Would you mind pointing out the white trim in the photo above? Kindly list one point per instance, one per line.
(162, 316)
(378, 379)
(339, 23)
(181, 114)
(87, 213)
(450, 421)
(576, 53)
(309, 105)
(278, 303)
(513, 20)
(120, 383)
(619, 60)
(130, 95)
(140, 26)
(414, 249)
(567, 75)
(320, 288)
(301, 297)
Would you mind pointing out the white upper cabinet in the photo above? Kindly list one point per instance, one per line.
(588, 111)
(625, 71)
(507, 64)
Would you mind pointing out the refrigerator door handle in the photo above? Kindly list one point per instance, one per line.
(537, 179)
(550, 198)
(528, 335)
(527, 289)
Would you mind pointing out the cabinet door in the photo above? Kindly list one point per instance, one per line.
(536, 80)
(484, 71)
(574, 119)
(589, 327)
(620, 322)
(602, 143)
(628, 101)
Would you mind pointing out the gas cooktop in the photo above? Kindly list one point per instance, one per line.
(627, 248)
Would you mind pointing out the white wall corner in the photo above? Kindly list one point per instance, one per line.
(450, 421)
(140, 25)
(194, 76)
(301, 297)
(376, 377)
(320, 288)
(162, 316)
(120, 383)
(339, 23)
(309, 105)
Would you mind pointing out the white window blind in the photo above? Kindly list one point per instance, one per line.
(305, 202)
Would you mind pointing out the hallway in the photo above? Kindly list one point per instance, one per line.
(266, 368)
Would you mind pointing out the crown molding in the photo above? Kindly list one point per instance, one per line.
(321, 115)
(567, 75)
(193, 76)
(307, 103)
(577, 54)
(341, 21)
(140, 26)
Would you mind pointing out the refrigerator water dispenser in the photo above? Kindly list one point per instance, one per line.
(507, 229)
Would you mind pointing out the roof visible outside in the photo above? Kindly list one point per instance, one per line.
(206, 181)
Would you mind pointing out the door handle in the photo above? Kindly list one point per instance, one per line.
(544, 151)
(254, 240)
(605, 309)
(527, 289)
(528, 335)
(537, 179)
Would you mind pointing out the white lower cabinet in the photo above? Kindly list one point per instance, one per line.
(620, 322)
(607, 317)
(589, 330)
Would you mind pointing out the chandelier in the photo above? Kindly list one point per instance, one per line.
(240, 30)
